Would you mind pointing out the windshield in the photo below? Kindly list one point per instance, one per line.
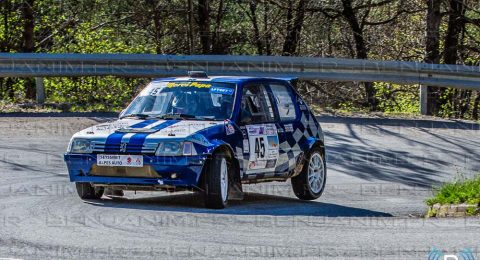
(184, 99)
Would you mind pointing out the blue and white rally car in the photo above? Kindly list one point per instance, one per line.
(209, 134)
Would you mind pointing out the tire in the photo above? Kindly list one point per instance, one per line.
(306, 188)
(87, 191)
(217, 182)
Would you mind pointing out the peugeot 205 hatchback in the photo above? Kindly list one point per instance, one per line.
(209, 134)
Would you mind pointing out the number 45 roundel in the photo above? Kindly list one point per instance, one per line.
(264, 148)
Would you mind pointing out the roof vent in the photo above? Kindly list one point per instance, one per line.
(198, 74)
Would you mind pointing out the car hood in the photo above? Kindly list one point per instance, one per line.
(150, 129)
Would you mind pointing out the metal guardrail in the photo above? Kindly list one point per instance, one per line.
(150, 65)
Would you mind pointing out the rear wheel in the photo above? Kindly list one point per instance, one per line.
(310, 183)
(217, 183)
(87, 191)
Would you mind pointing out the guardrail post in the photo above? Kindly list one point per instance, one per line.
(40, 90)
(423, 100)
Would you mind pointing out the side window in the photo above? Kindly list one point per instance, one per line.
(284, 99)
(256, 105)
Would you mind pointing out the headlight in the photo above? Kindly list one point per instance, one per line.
(80, 146)
(174, 148)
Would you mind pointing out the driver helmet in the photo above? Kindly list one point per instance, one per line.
(184, 103)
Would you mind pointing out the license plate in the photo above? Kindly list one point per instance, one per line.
(119, 160)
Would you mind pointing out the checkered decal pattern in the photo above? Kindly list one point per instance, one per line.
(290, 150)
(306, 129)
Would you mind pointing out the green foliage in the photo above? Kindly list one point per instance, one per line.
(93, 93)
(391, 30)
(460, 191)
(397, 98)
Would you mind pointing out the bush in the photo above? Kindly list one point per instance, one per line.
(460, 191)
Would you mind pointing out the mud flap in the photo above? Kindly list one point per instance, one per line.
(235, 192)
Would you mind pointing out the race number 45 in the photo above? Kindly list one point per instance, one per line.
(260, 147)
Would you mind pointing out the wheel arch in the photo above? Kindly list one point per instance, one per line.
(317, 143)
(320, 145)
(227, 150)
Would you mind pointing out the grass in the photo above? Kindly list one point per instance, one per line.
(460, 191)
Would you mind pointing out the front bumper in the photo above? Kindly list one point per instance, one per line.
(187, 169)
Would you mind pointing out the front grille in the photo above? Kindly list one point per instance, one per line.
(120, 171)
(146, 148)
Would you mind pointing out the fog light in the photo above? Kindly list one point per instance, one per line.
(173, 175)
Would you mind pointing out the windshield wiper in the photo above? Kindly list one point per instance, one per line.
(141, 116)
(175, 116)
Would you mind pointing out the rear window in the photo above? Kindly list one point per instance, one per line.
(285, 103)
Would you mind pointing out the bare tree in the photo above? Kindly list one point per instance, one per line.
(432, 50)
(361, 49)
(294, 27)
(204, 25)
(157, 24)
(28, 43)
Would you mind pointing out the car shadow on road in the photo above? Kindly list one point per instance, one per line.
(252, 204)
(415, 153)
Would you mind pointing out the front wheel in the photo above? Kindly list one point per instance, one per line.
(217, 183)
(310, 183)
(87, 191)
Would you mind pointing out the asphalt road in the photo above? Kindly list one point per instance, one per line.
(380, 172)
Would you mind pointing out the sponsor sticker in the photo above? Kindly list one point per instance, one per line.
(255, 165)
(246, 146)
(261, 130)
(221, 90)
(271, 163)
(269, 130)
(253, 131)
(272, 141)
(229, 129)
(289, 128)
(193, 84)
(120, 160)
(156, 92)
(111, 126)
(263, 146)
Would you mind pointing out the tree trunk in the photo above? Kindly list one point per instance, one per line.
(294, 29)
(191, 46)
(476, 105)
(432, 52)
(157, 23)
(464, 101)
(5, 46)
(456, 25)
(204, 25)
(267, 32)
(360, 48)
(28, 44)
(256, 30)
(218, 46)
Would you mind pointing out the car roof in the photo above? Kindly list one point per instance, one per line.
(225, 79)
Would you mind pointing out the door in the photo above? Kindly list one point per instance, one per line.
(257, 117)
(287, 113)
